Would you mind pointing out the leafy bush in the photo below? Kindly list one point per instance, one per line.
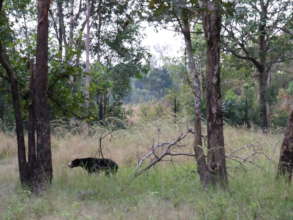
(280, 118)
(290, 88)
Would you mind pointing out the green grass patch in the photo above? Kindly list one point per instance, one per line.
(169, 192)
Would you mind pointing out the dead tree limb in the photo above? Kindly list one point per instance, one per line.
(155, 156)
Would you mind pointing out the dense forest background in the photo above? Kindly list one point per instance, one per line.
(120, 71)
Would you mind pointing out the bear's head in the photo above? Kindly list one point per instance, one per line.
(74, 163)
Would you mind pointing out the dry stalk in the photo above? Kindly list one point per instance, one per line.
(158, 152)
(100, 147)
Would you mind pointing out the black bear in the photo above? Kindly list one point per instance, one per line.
(95, 165)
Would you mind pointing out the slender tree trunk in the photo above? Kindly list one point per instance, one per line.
(41, 100)
(175, 109)
(286, 155)
(2, 104)
(106, 102)
(71, 24)
(263, 99)
(21, 154)
(87, 62)
(61, 29)
(32, 151)
(262, 69)
(216, 151)
(87, 40)
(102, 104)
(246, 117)
(99, 29)
(202, 168)
(101, 98)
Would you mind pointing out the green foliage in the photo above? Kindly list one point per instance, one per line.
(280, 118)
(251, 17)
(6, 117)
(116, 43)
(239, 109)
(290, 88)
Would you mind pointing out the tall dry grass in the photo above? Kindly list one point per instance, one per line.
(126, 146)
(7, 145)
(170, 191)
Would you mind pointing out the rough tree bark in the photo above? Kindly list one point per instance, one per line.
(262, 67)
(263, 101)
(32, 151)
(2, 105)
(286, 155)
(41, 108)
(216, 151)
(200, 157)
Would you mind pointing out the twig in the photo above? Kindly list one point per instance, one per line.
(100, 149)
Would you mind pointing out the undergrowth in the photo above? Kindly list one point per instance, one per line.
(171, 192)
(168, 191)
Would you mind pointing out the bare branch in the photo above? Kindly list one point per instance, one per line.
(156, 157)
(100, 149)
(54, 24)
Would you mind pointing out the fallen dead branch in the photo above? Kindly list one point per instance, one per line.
(245, 155)
(159, 151)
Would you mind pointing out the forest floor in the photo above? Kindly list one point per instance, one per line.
(171, 190)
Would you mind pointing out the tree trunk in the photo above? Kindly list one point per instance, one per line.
(246, 116)
(101, 103)
(21, 153)
(216, 151)
(202, 168)
(262, 68)
(286, 155)
(32, 151)
(61, 29)
(175, 109)
(263, 99)
(87, 53)
(2, 105)
(41, 107)
(71, 25)
(106, 102)
(22, 162)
